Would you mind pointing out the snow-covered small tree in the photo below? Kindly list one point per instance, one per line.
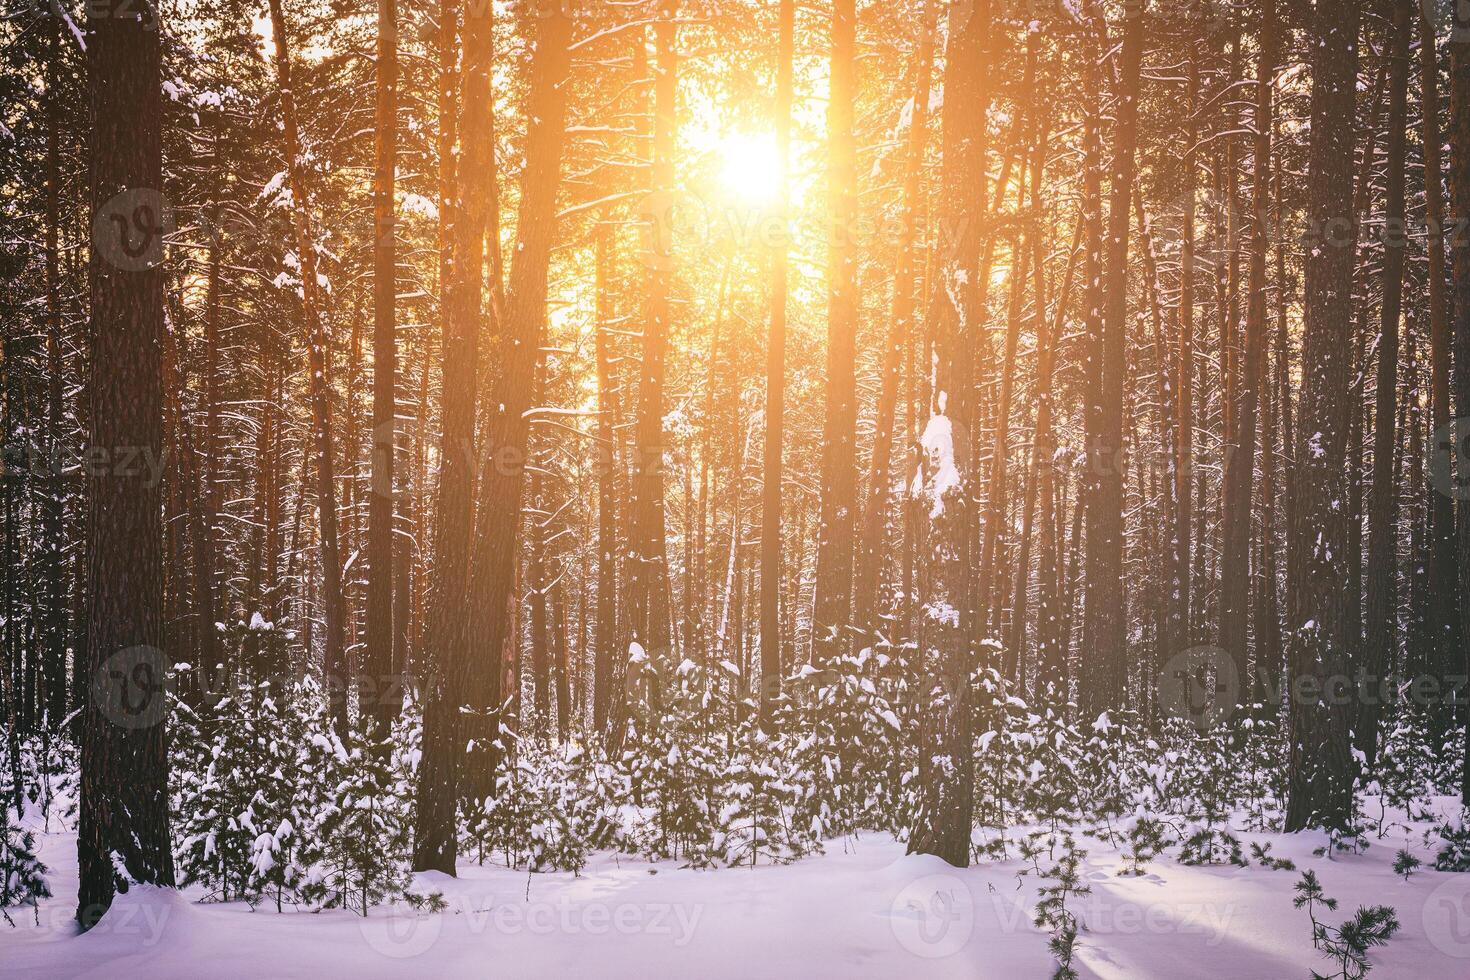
(236, 783)
(675, 764)
(1063, 881)
(22, 875)
(1146, 841)
(1111, 769)
(846, 732)
(505, 820)
(766, 814)
(1454, 850)
(355, 846)
(1402, 777)
(275, 871)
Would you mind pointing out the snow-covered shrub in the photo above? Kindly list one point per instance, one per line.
(1211, 845)
(1454, 851)
(235, 792)
(1262, 855)
(1255, 758)
(846, 732)
(1017, 767)
(1111, 770)
(675, 765)
(22, 875)
(552, 805)
(767, 813)
(1146, 841)
(1403, 775)
(355, 841)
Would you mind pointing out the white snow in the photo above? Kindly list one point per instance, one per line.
(863, 909)
(938, 443)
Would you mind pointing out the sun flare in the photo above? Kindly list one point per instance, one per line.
(750, 168)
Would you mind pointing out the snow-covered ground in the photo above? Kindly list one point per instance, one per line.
(863, 909)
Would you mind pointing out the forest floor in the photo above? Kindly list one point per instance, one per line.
(863, 909)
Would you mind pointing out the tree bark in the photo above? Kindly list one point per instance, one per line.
(464, 193)
(1240, 448)
(56, 482)
(607, 494)
(1443, 575)
(1460, 208)
(835, 539)
(502, 469)
(867, 606)
(648, 607)
(334, 656)
(1184, 382)
(383, 694)
(1042, 483)
(946, 774)
(124, 765)
(770, 588)
(1383, 529)
(1105, 620)
(1320, 770)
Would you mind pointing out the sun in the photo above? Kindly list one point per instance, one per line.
(750, 168)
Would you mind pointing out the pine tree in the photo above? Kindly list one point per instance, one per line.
(355, 844)
(236, 791)
(22, 875)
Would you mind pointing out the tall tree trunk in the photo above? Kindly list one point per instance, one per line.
(867, 611)
(562, 668)
(998, 494)
(1275, 437)
(1460, 208)
(383, 694)
(1320, 770)
(648, 607)
(1362, 209)
(1184, 467)
(1105, 620)
(1050, 652)
(124, 765)
(1443, 577)
(1170, 636)
(946, 775)
(502, 472)
(540, 627)
(770, 594)
(334, 657)
(539, 586)
(835, 544)
(464, 193)
(1383, 525)
(56, 481)
(607, 493)
(1240, 449)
